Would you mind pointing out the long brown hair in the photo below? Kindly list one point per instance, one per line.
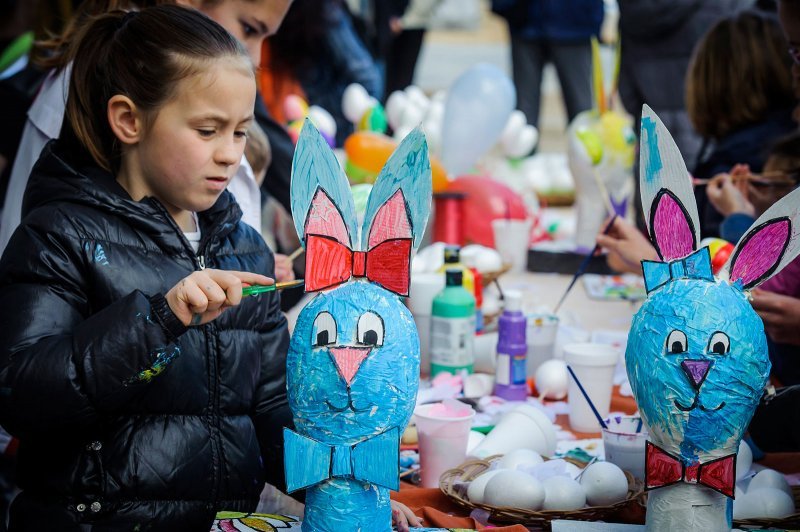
(739, 73)
(140, 54)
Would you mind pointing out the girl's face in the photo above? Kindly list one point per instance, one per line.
(192, 148)
(250, 21)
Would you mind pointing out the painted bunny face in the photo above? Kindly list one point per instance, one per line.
(697, 371)
(353, 364)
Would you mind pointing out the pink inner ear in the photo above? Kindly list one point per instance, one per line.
(391, 221)
(673, 234)
(761, 252)
(325, 219)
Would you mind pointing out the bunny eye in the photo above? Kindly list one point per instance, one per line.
(719, 343)
(324, 330)
(676, 342)
(370, 329)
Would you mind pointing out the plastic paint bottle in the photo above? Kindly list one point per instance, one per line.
(512, 350)
(452, 327)
(452, 260)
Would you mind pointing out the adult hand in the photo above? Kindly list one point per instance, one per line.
(728, 192)
(203, 295)
(627, 247)
(402, 517)
(283, 268)
(781, 315)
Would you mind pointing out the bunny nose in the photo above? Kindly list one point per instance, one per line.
(348, 360)
(696, 370)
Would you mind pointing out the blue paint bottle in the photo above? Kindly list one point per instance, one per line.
(512, 350)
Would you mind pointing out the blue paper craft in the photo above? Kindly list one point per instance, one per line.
(353, 363)
(697, 354)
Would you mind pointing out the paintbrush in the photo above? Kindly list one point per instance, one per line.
(296, 253)
(261, 288)
(583, 265)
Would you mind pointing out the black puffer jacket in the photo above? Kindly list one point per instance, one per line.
(104, 441)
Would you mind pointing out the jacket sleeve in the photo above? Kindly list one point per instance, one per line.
(62, 362)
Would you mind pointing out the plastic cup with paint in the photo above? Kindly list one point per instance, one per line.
(541, 339)
(594, 366)
(512, 240)
(624, 443)
(443, 430)
(524, 427)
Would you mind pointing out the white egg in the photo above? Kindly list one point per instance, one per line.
(520, 457)
(516, 121)
(412, 116)
(522, 143)
(605, 484)
(323, 120)
(417, 96)
(514, 489)
(769, 478)
(355, 102)
(476, 488)
(563, 493)
(744, 459)
(768, 503)
(552, 379)
(395, 105)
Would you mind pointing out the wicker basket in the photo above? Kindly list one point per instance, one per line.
(474, 468)
(488, 278)
(791, 522)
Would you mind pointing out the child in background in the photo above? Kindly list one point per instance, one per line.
(145, 392)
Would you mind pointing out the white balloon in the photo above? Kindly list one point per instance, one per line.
(355, 102)
(395, 107)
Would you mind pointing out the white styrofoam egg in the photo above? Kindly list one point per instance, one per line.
(401, 132)
(770, 503)
(522, 143)
(514, 489)
(604, 483)
(552, 379)
(323, 120)
(769, 478)
(474, 439)
(476, 488)
(355, 102)
(744, 459)
(395, 105)
(417, 97)
(413, 115)
(520, 457)
(516, 121)
(483, 258)
(563, 493)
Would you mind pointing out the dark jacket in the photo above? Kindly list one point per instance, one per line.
(552, 20)
(128, 420)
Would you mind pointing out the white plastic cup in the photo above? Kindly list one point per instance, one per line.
(540, 336)
(524, 427)
(624, 444)
(512, 240)
(593, 365)
(442, 443)
(424, 287)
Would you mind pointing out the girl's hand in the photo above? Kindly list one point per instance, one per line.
(726, 196)
(402, 517)
(204, 295)
(781, 315)
(283, 268)
(626, 247)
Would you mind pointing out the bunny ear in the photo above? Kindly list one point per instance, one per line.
(400, 201)
(771, 243)
(667, 193)
(321, 200)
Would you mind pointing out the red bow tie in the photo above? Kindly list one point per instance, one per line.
(329, 263)
(663, 469)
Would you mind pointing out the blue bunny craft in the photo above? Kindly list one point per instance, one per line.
(697, 355)
(353, 364)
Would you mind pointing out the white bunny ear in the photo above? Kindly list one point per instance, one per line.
(667, 193)
(771, 243)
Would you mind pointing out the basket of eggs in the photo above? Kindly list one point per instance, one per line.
(524, 488)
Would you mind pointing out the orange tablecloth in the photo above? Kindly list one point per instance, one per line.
(438, 510)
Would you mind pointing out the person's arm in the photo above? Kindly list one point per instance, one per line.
(775, 427)
(653, 18)
(627, 247)
(349, 55)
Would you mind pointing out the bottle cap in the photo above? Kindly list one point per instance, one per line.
(513, 300)
(452, 254)
(454, 277)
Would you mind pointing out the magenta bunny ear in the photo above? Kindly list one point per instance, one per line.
(769, 245)
(672, 231)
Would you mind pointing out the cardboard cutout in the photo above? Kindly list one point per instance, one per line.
(697, 354)
(353, 363)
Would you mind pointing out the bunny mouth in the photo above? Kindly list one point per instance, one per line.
(694, 405)
(348, 406)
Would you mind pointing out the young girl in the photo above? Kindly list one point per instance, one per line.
(147, 394)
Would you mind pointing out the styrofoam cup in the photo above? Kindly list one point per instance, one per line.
(442, 443)
(540, 335)
(624, 444)
(512, 239)
(594, 365)
(524, 427)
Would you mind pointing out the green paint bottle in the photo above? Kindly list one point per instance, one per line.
(452, 327)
